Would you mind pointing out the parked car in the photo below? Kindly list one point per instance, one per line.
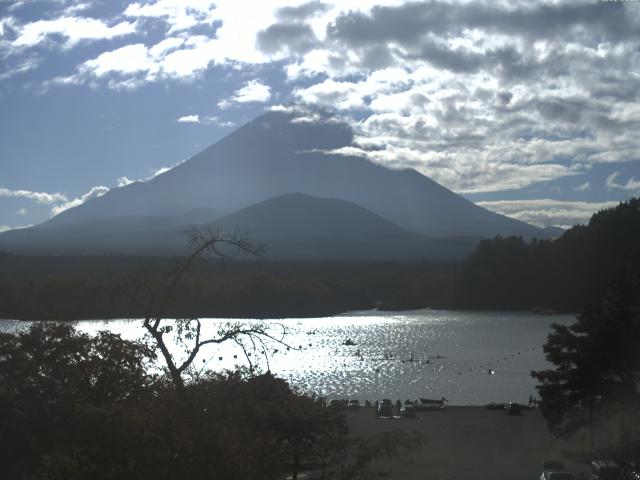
(353, 405)
(408, 410)
(605, 470)
(384, 409)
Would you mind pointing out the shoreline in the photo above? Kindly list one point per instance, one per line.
(304, 317)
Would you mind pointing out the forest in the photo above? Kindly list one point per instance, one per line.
(559, 275)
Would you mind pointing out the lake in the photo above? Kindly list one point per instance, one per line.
(470, 358)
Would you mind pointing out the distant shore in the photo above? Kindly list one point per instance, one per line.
(293, 315)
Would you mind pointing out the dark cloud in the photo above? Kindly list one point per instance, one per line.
(404, 25)
(505, 97)
(510, 63)
(408, 23)
(421, 31)
(297, 38)
(561, 110)
(441, 56)
(301, 12)
(376, 57)
(598, 20)
(614, 88)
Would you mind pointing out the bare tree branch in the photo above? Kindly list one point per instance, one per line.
(203, 241)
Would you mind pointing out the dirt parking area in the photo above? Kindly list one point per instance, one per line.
(466, 443)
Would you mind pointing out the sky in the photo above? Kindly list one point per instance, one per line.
(530, 109)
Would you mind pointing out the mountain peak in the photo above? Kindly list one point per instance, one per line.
(290, 151)
(295, 130)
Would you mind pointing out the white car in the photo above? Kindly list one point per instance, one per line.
(353, 405)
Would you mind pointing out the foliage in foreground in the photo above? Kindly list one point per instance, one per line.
(597, 363)
(75, 406)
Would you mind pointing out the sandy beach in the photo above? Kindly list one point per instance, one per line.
(465, 443)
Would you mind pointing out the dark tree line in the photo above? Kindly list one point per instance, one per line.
(49, 287)
(596, 367)
(564, 274)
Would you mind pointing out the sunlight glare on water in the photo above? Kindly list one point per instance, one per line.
(397, 355)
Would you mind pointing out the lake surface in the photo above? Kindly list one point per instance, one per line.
(453, 353)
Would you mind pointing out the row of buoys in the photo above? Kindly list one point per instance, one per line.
(275, 351)
(491, 371)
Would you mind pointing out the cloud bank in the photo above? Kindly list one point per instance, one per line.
(483, 97)
(547, 212)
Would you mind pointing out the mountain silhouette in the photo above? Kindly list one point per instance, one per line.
(291, 227)
(276, 154)
(297, 226)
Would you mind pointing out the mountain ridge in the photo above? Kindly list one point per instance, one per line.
(274, 155)
(294, 226)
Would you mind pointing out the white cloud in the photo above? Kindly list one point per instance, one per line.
(21, 67)
(6, 228)
(126, 67)
(165, 46)
(631, 185)
(180, 15)
(330, 93)
(162, 170)
(189, 119)
(126, 60)
(38, 197)
(22, 212)
(253, 92)
(206, 120)
(124, 181)
(466, 92)
(78, 7)
(95, 192)
(547, 212)
(583, 187)
(134, 65)
(73, 29)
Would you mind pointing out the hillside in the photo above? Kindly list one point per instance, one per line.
(297, 226)
(128, 235)
(565, 274)
(292, 227)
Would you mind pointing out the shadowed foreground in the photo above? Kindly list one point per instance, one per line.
(466, 443)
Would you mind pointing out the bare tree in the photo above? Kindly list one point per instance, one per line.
(155, 298)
